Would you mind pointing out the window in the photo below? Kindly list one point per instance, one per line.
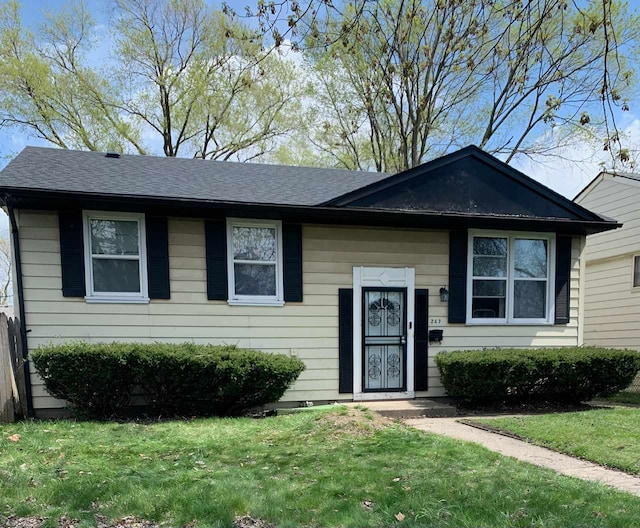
(510, 278)
(254, 249)
(115, 261)
(636, 271)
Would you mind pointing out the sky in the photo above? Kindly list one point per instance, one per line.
(565, 177)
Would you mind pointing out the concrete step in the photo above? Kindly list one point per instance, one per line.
(418, 408)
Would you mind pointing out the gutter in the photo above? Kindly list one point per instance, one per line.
(346, 215)
(8, 200)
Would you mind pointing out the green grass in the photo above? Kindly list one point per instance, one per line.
(307, 469)
(625, 397)
(610, 437)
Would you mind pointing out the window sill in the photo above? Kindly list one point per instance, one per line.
(117, 300)
(237, 302)
(510, 323)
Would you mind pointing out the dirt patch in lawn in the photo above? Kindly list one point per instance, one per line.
(353, 422)
(126, 522)
(65, 522)
(23, 522)
(251, 522)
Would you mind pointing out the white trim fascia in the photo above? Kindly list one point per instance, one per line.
(601, 177)
(587, 189)
(255, 300)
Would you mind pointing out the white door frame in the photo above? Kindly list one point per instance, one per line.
(389, 278)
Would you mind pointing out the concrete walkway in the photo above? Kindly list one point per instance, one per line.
(403, 409)
(563, 464)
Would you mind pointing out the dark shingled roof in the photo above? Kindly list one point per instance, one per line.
(51, 169)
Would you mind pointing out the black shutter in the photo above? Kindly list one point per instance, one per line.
(215, 233)
(157, 232)
(421, 340)
(458, 241)
(563, 279)
(72, 253)
(292, 267)
(345, 340)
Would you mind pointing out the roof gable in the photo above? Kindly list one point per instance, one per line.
(468, 181)
(626, 178)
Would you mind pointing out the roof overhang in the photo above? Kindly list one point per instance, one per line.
(324, 214)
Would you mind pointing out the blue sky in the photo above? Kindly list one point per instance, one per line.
(567, 177)
(33, 15)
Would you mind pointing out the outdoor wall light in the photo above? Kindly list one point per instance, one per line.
(444, 294)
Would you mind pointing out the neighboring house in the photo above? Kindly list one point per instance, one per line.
(612, 293)
(364, 276)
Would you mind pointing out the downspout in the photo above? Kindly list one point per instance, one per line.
(8, 200)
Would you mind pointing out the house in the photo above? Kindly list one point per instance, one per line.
(364, 276)
(612, 293)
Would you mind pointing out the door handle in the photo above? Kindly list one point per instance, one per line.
(403, 340)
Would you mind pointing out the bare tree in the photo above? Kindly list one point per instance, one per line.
(400, 81)
(46, 89)
(180, 75)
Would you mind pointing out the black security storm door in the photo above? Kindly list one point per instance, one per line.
(384, 339)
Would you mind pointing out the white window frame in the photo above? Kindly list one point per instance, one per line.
(254, 300)
(115, 297)
(510, 279)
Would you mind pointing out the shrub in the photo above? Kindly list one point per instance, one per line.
(177, 379)
(96, 380)
(198, 380)
(568, 375)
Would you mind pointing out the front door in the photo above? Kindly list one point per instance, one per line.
(384, 339)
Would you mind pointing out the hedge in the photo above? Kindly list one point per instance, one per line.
(563, 375)
(218, 380)
(99, 379)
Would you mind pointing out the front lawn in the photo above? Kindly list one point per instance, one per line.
(610, 437)
(315, 469)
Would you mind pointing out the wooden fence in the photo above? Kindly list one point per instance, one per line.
(13, 392)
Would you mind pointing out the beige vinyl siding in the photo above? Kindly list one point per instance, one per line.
(612, 304)
(308, 330)
(616, 198)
